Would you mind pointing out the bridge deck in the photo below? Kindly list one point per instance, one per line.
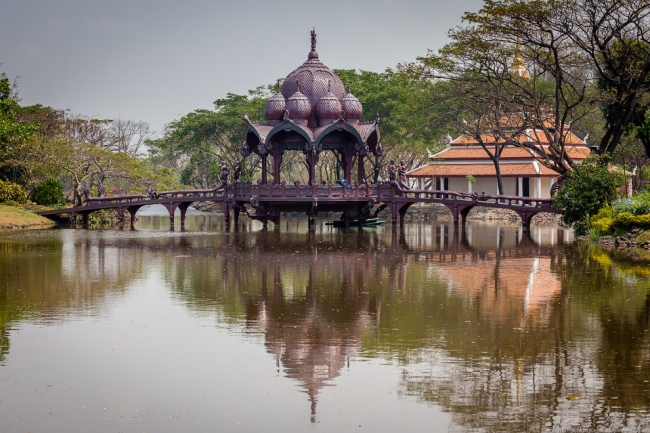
(269, 200)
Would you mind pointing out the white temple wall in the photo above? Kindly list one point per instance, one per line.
(488, 185)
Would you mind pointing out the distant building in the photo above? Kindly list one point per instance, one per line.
(464, 161)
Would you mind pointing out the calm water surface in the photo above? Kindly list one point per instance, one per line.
(424, 329)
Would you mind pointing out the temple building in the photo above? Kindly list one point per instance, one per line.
(466, 167)
(313, 113)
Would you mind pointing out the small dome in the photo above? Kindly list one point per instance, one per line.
(328, 108)
(299, 107)
(275, 106)
(352, 106)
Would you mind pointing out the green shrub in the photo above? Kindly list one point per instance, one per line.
(601, 223)
(48, 193)
(586, 189)
(11, 192)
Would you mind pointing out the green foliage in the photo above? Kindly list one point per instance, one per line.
(637, 205)
(11, 192)
(48, 193)
(470, 178)
(195, 145)
(626, 220)
(600, 224)
(586, 189)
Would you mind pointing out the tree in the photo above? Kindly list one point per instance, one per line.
(12, 132)
(195, 145)
(606, 39)
(510, 60)
(410, 123)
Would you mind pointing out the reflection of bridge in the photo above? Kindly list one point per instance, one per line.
(360, 201)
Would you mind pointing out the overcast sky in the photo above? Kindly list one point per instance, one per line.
(157, 60)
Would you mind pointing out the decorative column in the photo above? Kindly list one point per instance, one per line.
(277, 161)
(264, 168)
(361, 171)
(539, 188)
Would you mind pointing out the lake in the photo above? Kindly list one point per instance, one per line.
(426, 328)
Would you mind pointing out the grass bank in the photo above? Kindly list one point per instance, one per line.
(12, 217)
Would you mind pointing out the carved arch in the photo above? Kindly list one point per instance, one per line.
(288, 125)
(336, 126)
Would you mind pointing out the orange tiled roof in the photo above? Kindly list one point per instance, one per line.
(535, 135)
(478, 153)
(487, 169)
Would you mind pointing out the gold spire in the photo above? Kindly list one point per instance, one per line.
(518, 62)
(518, 66)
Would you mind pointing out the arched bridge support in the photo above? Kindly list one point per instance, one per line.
(183, 208)
(459, 211)
(171, 208)
(402, 212)
(132, 210)
(526, 217)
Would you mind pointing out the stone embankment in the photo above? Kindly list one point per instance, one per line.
(635, 239)
(442, 213)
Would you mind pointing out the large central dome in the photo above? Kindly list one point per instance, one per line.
(313, 79)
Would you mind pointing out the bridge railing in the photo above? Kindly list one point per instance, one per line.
(296, 190)
(381, 192)
(501, 200)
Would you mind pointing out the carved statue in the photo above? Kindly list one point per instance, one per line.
(557, 185)
(100, 189)
(237, 172)
(86, 191)
(401, 171)
(225, 171)
(392, 170)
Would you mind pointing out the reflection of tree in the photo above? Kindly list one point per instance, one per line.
(45, 277)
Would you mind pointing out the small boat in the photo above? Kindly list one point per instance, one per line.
(370, 222)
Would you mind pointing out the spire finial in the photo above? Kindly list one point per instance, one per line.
(313, 54)
(277, 86)
(518, 61)
(349, 87)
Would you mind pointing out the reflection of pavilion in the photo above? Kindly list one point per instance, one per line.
(312, 337)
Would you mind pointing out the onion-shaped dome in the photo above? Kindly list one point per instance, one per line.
(275, 106)
(352, 106)
(313, 78)
(328, 108)
(299, 107)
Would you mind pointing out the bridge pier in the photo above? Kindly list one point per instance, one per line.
(120, 217)
(85, 216)
(73, 219)
(171, 208)
(132, 210)
(183, 207)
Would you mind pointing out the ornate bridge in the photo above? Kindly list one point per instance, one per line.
(266, 202)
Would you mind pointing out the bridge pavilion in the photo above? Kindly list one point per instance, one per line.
(313, 113)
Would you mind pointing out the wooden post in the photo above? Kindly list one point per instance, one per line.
(264, 168)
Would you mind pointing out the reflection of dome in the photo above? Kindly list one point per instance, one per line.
(299, 107)
(328, 108)
(275, 106)
(352, 106)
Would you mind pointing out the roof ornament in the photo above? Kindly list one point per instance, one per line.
(313, 54)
